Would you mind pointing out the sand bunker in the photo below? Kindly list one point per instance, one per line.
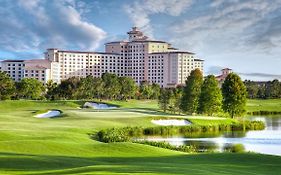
(170, 122)
(49, 114)
(98, 105)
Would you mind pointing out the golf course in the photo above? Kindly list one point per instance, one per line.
(62, 145)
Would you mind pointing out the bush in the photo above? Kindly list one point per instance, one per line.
(182, 148)
(236, 148)
(113, 135)
(127, 133)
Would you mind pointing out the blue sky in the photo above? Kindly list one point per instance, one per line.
(244, 35)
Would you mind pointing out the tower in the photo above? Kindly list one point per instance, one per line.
(136, 34)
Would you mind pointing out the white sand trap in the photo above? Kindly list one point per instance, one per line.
(174, 122)
(48, 114)
(98, 105)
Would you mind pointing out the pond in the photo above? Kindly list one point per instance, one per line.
(267, 141)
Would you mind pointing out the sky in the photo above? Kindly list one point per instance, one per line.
(244, 35)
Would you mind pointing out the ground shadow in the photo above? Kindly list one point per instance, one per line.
(181, 164)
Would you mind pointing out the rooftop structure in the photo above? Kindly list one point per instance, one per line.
(224, 73)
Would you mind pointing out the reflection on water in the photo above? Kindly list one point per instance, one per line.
(267, 141)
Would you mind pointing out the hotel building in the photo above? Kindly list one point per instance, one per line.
(138, 57)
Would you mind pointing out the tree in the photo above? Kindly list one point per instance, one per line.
(261, 91)
(7, 86)
(145, 90)
(98, 87)
(111, 85)
(210, 100)
(30, 88)
(191, 92)
(164, 99)
(68, 88)
(274, 89)
(234, 95)
(176, 100)
(85, 88)
(128, 87)
(155, 91)
(51, 88)
(252, 89)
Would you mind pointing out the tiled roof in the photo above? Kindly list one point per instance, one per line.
(174, 51)
(13, 60)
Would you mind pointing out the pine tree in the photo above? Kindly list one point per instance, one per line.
(234, 95)
(191, 92)
(210, 100)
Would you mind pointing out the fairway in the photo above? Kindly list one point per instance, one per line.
(30, 145)
(272, 105)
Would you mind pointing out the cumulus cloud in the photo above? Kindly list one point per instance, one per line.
(40, 24)
(140, 12)
(228, 25)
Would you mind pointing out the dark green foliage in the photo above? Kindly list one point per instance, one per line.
(85, 89)
(117, 134)
(145, 90)
(192, 91)
(273, 89)
(164, 99)
(264, 113)
(128, 88)
(51, 88)
(98, 87)
(182, 148)
(7, 86)
(155, 91)
(169, 99)
(263, 90)
(175, 100)
(236, 148)
(252, 89)
(30, 88)
(210, 100)
(112, 135)
(111, 86)
(126, 134)
(234, 95)
(68, 88)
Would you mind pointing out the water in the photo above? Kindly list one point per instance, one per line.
(267, 141)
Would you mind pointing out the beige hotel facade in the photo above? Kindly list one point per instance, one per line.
(138, 57)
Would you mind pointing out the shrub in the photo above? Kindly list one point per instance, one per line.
(182, 148)
(125, 134)
(112, 135)
(236, 148)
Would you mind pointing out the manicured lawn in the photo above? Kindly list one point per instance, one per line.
(264, 105)
(30, 145)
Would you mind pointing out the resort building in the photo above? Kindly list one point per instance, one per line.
(138, 57)
(224, 73)
(14, 68)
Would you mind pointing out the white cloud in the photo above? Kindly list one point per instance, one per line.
(140, 11)
(225, 24)
(47, 24)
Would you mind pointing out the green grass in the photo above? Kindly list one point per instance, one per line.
(264, 105)
(62, 145)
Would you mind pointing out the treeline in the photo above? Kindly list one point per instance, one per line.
(204, 96)
(109, 86)
(263, 90)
